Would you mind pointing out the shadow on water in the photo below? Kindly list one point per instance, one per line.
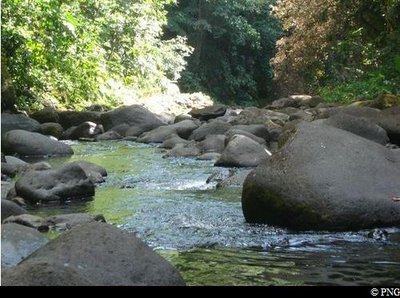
(201, 229)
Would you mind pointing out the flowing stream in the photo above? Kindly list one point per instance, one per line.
(201, 230)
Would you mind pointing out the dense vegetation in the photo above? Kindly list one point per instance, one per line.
(234, 42)
(74, 53)
(343, 49)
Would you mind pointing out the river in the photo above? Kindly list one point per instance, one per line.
(201, 230)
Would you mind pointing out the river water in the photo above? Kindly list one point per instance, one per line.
(201, 230)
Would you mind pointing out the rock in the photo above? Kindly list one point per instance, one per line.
(9, 208)
(184, 150)
(182, 117)
(75, 118)
(212, 128)
(359, 126)
(254, 115)
(44, 274)
(17, 122)
(121, 129)
(52, 129)
(93, 171)
(26, 143)
(209, 156)
(86, 130)
(212, 143)
(69, 182)
(296, 101)
(47, 114)
(18, 242)
(259, 130)
(242, 151)
(133, 115)
(302, 115)
(230, 133)
(160, 134)
(68, 221)
(27, 220)
(325, 178)
(108, 136)
(67, 133)
(172, 141)
(236, 179)
(97, 254)
(208, 113)
(5, 188)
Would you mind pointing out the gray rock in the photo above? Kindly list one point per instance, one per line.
(52, 129)
(259, 130)
(86, 130)
(18, 122)
(325, 178)
(108, 136)
(208, 113)
(172, 141)
(75, 118)
(212, 128)
(359, 126)
(26, 143)
(69, 182)
(28, 220)
(9, 208)
(68, 221)
(389, 120)
(212, 143)
(254, 115)
(160, 134)
(6, 186)
(242, 151)
(230, 133)
(18, 242)
(121, 129)
(184, 150)
(209, 156)
(47, 114)
(96, 254)
(182, 117)
(133, 115)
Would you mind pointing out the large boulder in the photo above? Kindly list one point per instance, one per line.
(25, 143)
(212, 143)
(18, 121)
(95, 172)
(242, 151)
(52, 129)
(325, 178)
(18, 242)
(68, 182)
(86, 130)
(134, 115)
(94, 254)
(172, 141)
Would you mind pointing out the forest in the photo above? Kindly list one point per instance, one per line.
(72, 54)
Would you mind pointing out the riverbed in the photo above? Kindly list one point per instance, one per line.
(200, 228)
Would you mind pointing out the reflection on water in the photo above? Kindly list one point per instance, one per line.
(201, 229)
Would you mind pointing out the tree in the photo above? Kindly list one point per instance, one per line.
(66, 52)
(336, 42)
(233, 41)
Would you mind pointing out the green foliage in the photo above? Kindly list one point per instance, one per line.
(67, 52)
(346, 49)
(233, 41)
